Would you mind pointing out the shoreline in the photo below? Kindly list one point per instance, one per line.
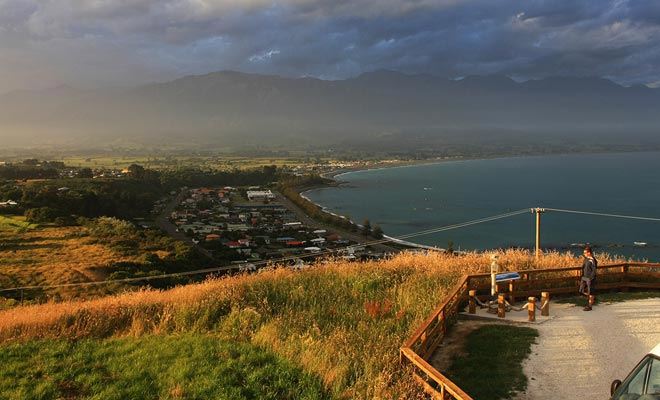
(639, 249)
(333, 174)
(384, 164)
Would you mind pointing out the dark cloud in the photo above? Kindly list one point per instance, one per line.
(122, 42)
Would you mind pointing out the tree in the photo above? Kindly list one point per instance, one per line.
(31, 161)
(269, 170)
(378, 232)
(136, 171)
(346, 223)
(450, 247)
(366, 227)
(85, 173)
(42, 214)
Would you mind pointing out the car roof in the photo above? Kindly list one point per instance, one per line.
(656, 350)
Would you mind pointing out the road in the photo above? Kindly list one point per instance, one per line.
(163, 222)
(312, 223)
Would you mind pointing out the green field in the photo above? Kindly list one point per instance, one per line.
(15, 223)
(183, 366)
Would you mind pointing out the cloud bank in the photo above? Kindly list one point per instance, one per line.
(93, 43)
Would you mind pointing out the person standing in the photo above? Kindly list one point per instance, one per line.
(588, 280)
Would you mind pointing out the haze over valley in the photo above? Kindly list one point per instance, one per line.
(443, 78)
(379, 110)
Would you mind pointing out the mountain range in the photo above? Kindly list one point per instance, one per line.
(235, 108)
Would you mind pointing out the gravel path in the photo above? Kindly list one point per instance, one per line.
(578, 354)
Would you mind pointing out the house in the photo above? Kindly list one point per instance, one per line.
(260, 195)
(205, 229)
(8, 203)
(212, 236)
(294, 243)
(237, 227)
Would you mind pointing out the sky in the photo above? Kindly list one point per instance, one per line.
(117, 43)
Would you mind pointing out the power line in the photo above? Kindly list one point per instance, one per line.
(604, 214)
(328, 252)
(316, 254)
(464, 224)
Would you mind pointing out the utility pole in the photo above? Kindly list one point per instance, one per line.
(538, 211)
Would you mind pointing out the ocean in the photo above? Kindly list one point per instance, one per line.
(423, 202)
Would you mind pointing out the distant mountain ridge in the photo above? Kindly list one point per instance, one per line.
(236, 107)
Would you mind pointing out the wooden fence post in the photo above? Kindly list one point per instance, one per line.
(472, 309)
(545, 304)
(532, 309)
(501, 311)
(512, 296)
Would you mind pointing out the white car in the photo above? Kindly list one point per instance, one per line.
(643, 382)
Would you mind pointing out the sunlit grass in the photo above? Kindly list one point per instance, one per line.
(15, 223)
(225, 162)
(52, 256)
(491, 367)
(151, 367)
(342, 322)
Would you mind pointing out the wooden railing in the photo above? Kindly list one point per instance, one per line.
(418, 349)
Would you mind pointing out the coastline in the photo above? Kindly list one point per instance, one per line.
(335, 173)
(384, 164)
(624, 245)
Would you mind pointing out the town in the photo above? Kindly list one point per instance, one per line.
(249, 226)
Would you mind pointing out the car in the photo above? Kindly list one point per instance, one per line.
(643, 382)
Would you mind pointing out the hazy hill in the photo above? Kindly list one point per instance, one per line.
(234, 108)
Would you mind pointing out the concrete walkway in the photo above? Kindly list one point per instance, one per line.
(579, 353)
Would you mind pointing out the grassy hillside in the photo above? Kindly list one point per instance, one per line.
(336, 326)
(103, 248)
(54, 255)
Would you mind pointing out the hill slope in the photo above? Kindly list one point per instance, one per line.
(342, 323)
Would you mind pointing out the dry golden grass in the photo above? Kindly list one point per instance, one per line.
(407, 278)
(54, 255)
(343, 322)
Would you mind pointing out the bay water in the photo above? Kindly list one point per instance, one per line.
(421, 202)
